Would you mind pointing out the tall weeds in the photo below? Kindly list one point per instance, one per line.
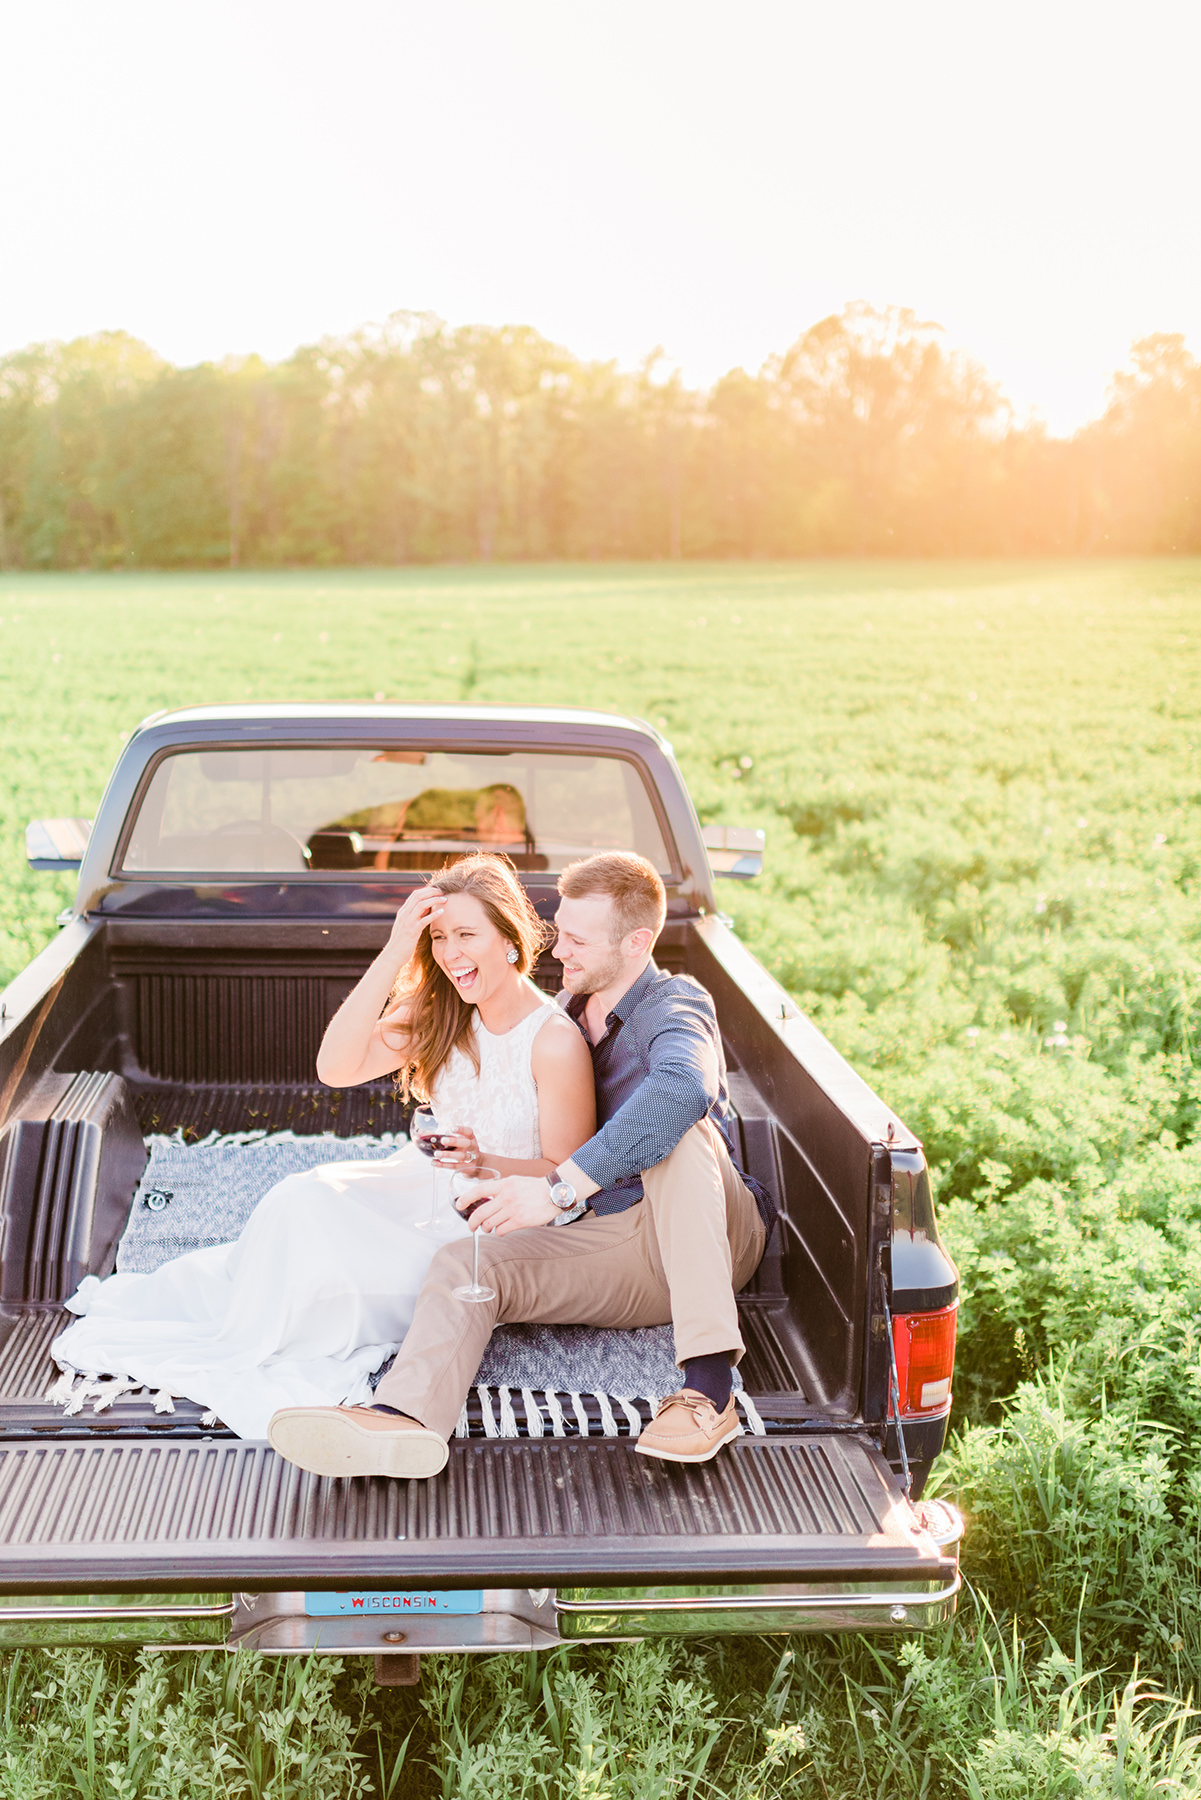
(110, 1726)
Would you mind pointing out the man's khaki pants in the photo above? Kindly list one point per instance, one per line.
(678, 1256)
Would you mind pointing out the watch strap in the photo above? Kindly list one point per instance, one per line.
(572, 1214)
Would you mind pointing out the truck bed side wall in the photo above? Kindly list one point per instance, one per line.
(70, 1148)
(825, 1169)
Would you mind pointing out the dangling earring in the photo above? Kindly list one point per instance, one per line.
(511, 954)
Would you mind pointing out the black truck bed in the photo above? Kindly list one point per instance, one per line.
(27, 1328)
(157, 1024)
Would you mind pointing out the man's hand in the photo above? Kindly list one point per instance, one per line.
(514, 1204)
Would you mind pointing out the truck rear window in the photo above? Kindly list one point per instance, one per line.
(287, 812)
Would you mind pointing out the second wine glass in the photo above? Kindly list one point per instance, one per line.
(462, 1184)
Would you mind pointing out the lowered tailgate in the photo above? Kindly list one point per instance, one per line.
(575, 1515)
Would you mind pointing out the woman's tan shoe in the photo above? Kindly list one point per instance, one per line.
(688, 1428)
(356, 1440)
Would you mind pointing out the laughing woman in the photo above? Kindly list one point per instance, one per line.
(319, 1289)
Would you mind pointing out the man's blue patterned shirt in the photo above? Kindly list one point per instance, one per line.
(659, 1069)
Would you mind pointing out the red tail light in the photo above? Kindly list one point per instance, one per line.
(925, 1348)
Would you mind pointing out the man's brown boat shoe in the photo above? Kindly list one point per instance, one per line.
(687, 1428)
(356, 1440)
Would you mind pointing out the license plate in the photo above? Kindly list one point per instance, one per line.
(390, 1602)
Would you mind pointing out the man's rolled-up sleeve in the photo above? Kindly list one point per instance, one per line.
(681, 1084)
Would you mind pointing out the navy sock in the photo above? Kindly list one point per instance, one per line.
(711, 1376)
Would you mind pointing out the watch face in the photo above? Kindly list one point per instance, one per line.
(563, 1195)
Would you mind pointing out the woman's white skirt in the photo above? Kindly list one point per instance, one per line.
(314, 1295)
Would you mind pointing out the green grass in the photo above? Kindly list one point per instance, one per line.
(982, 793)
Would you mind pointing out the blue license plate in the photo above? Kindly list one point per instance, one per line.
(386, 1602)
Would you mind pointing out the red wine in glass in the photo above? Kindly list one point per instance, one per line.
(425, 1132)
(430, 1142)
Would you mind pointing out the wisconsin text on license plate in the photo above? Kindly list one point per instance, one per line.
(384, 1600)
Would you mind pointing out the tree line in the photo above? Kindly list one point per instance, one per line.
(413, 442)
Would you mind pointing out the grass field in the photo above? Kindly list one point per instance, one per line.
(981, 786)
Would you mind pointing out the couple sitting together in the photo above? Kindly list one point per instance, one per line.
(612, 1198)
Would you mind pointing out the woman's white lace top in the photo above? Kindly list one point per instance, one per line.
(500, 1103)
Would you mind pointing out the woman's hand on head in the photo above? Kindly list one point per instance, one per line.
(368, 1035)
(418, 913)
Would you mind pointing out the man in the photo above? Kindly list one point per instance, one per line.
(656, 1222)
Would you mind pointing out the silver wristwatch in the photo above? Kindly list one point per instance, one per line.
(563, 1195)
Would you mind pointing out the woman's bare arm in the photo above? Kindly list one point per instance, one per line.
(566, 1089)
(359, 1044)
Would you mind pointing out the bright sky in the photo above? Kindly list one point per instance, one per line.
(222, 176)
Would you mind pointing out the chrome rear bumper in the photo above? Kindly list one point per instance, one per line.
(771, 1607)
(510, 1618)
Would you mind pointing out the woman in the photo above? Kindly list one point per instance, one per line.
(319, 1289)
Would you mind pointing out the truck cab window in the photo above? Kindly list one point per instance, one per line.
(290, 812)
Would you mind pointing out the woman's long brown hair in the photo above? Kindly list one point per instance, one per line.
(439, 1018)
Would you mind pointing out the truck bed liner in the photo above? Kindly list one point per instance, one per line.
(87, 1516)
(773, 1369)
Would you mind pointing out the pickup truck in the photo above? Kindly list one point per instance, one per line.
(243, 867)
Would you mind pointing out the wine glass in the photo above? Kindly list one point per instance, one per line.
(460, 1185)
(427, 1134)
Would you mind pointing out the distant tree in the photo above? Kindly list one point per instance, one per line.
(742, 471)
(1144, 454)
(392, 378)
(885, 423)
(59, 406)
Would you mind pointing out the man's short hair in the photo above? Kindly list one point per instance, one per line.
(633, 884)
